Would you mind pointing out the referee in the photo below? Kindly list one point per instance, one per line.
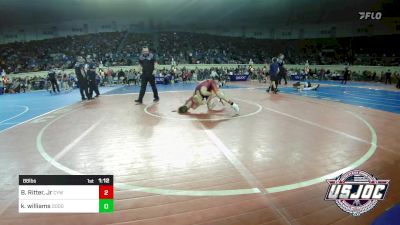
(53, 80)
(282, 70)
(82, 78)
(147, 62)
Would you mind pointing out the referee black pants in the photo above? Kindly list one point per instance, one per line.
(93, 88)
(54, 85)
(148, 79)
(282, 75)
(83, 88)
(388, 80)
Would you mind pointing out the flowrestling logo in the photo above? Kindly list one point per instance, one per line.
(370, 15)
(356, 191)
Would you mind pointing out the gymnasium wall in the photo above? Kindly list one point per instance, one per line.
(332, 68)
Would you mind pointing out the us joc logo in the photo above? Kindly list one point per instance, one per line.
(356, 191)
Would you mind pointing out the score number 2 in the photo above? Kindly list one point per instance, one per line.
(106, 192)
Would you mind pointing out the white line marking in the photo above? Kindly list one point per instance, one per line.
(359, 162)
(10, 198)
(103, 95)
(246, 174)
(1, 131)
(253, 190)
(146, 110)
(3, 124)
(318, 125)
(67, 148)
(26, 110)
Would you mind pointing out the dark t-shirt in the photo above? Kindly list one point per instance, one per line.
(346, 74)
(78, 67)
(281, 63)
(91, 75)
(147, 63)
(52, 76)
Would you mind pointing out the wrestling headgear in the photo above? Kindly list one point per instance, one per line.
(183, 109)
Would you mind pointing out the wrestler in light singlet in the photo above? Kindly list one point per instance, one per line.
(207, 89)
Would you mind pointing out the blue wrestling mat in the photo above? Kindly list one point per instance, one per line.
(384, 100)
(349, 83)
(17, 108)
(391, 216)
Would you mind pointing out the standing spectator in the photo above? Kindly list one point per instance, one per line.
(101, 76)
(137, 78)
(121, 75)
(373, 76)
(2, 85)
(147, 61)
(24, 85)
(381, 76)
(321, 74)
(64, 82)
(109, 77)
(388, 77)
(173, 63)
(16, 86)
(306, 69)
(250, 71)
(131, 77)
(346, 75)
(213, 74)
(53, 80)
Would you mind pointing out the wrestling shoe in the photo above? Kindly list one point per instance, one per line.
(235, 107)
